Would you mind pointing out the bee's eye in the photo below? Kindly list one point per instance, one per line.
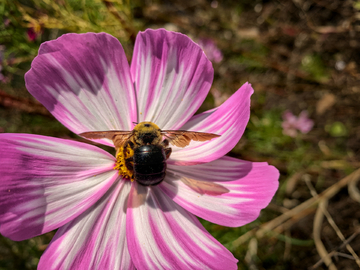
(146, 125)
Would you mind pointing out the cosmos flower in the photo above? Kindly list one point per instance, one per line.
(292, 124)
(106, 221)
(212, 52)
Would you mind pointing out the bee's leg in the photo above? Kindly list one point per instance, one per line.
(165, 143)
(168, 152)
(128, 161)
(128, 143)
(123, 148)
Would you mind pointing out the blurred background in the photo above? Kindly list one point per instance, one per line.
(302, 59)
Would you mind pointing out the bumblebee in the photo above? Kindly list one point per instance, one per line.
(142, 153)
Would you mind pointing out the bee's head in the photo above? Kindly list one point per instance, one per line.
(148, 133)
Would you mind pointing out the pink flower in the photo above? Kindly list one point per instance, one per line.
(292, 124)
(33, 32)
(212, 52)
(6, 22)
(106, 221)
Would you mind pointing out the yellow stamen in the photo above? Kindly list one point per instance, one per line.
(125, 170)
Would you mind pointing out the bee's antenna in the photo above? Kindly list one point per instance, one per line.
(135, 123)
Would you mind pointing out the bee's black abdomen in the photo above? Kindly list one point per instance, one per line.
(149, 164)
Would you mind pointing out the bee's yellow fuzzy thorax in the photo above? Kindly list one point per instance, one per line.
(146, 127)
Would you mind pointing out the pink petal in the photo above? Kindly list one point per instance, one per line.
(289, 118)
(227, 191)
(31, 34)
(162, 235)
(172, 77)
(84, 81)
(47, 182)
(304, 123)
(95, 239)
(212, 52)
(228, 120)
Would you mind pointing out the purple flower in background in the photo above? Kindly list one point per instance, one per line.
(212, 52)
(106, 221)
(6, 22)
(34, 32)
(292, 124)
(31, 34)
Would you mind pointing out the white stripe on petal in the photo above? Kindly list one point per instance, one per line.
(94, 240)
(228, 120)
(172, 77)
(227, 191)
(162, 235)
(46, 182)
(84, 81)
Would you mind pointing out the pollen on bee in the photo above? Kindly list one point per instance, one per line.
(123, 162)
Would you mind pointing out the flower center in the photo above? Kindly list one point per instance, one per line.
(124, 162)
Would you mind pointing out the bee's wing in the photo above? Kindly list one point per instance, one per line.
(182, 138)
(118, 137)
(203, 187)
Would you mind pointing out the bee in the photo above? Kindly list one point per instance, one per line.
(144, 151)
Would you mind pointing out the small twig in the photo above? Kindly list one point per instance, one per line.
(350, 238)
(277, 208)
(251, 253)
(332, 222)
(22, 104)
(292, 181)
(18, 60)
(287, 250)
(354, 191)
(332, 254)
(318, 220)
(335, 253)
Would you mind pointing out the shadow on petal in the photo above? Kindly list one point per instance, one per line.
(204, 187)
